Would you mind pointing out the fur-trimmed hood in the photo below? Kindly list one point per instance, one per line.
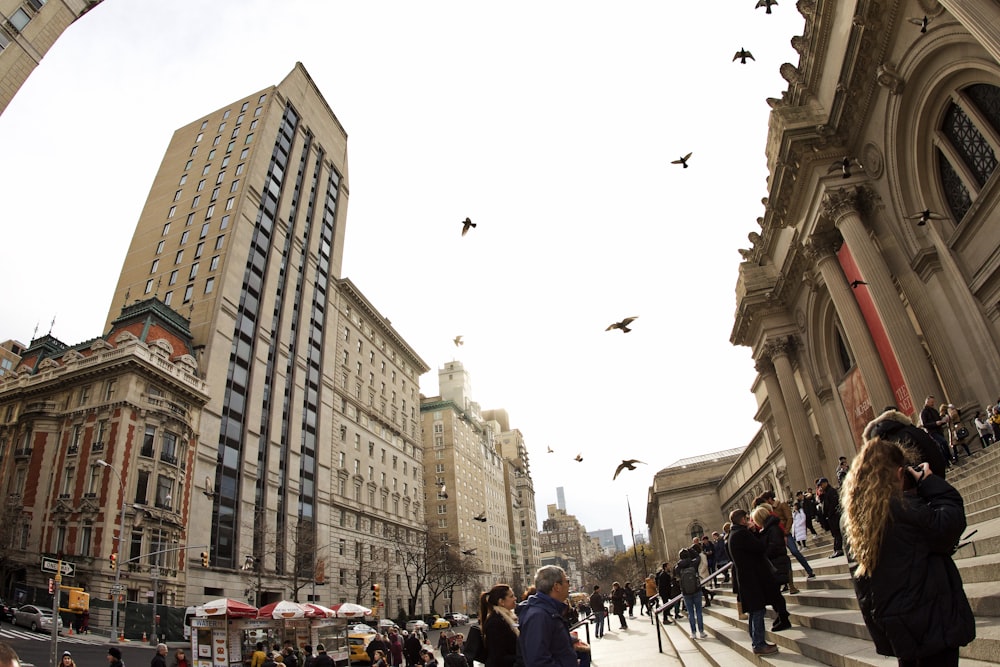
(891, 422)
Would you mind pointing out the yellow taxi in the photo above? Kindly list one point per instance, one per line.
(357, 643)
(440, 623)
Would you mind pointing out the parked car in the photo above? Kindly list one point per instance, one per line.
(35, 618)
(456, 618)
(386, 623)
(416, 624)
(440, 623)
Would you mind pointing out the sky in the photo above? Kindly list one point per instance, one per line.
(551, 124)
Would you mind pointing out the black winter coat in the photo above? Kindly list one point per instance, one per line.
(752, 580)
(500, 641)
(618, 601)
(913, 603)
(776, 548)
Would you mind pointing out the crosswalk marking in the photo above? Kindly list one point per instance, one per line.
(17, 633)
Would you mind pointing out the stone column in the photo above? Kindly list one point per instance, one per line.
(782, 422)
(981, 18)
(843, 206)
(780, 352)
(855, 329)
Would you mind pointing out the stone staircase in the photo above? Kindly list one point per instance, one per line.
(827, 628)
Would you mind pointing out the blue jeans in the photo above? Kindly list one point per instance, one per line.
(693, 604)
(794, 549)
(599, 623)
(757, 628)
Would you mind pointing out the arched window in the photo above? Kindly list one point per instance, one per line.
(970, 132)
(697, 530)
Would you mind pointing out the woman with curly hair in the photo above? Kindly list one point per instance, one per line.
(901, 524)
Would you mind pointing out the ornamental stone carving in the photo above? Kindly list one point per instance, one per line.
(780, 347)
(889, 79)
(842, 201)
(764, 366)
(791, 73)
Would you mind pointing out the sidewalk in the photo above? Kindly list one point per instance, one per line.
(627, 648)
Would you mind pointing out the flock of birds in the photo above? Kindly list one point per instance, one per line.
(844, 166)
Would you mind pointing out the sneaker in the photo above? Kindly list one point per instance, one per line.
(703, 635)
(837, 554)
(766, 649)
(811, 575)
(793, 591)
(667, 621)
(694, 636)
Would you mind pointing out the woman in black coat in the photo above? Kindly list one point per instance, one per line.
(499, 626)
(775, 548)
(618, 603)
(901, 524)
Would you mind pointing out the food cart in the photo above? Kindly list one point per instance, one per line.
(217, 633)
(293, 622)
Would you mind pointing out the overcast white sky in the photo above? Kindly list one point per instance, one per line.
(551, 123)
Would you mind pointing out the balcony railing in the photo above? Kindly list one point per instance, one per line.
(22, 453)
(97, 446)
(73, 449)
(168, 458)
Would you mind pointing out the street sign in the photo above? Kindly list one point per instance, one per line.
(154, 572)
(117, 588)
(52, 565)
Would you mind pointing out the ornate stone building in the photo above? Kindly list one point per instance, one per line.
(874, 280)
(131, 398)
(873, 277)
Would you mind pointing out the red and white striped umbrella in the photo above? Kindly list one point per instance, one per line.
(314, 610)
(283, 609)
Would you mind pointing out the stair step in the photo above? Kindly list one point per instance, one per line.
(811, 644)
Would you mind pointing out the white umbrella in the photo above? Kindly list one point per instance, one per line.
(350, 610)
(283, 609)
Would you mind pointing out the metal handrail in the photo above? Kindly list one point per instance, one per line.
(674, 600)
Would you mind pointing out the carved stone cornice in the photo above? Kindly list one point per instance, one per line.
(889, 78)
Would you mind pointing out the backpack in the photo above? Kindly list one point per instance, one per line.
(474, 648)
(690, 582)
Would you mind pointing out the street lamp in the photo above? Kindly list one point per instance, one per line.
(116, 589)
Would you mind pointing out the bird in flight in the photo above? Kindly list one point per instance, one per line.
(578, 458)
(924, 216)
(742, 56)
(766, 4)
(844, 166)
(855, 284)
(682, 161)
(466, 224)
(922, 22)
(481, 516)
(458, 341)
(468, 552)
(442, 492)
(623, 325)
(630, 464)
(550, 449)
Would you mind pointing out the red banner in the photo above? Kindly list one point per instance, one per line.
(904, 402)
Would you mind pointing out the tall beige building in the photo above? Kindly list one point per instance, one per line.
(564, 541)
(461, 456)
(308, 458)
(28, 28)
(523, 528)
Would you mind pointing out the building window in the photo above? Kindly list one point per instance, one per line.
(172, 211)
(149, 286)
(168, 297)
(154, 266)
(166, 229)
(109, 390)
(141, 482)
(201, 185)
(179, 257)
(159, 247)
(224, 222)
(188, 291)
(172, 280)
(229, 203)
(198, 250)
(194, 271)
(974, 145)
(184, 237)
(214, 264)
(209, 285)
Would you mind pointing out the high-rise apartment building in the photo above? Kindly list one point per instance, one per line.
(521, 492)
(564, 540)
(308, 461)
(28, 29)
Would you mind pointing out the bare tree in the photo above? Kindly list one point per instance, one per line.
(601, 570)
(421, 565)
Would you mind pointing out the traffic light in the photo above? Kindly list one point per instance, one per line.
(113, 561)
(376, 594)
(204, 559)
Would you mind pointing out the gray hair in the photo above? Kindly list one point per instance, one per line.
(548, 576)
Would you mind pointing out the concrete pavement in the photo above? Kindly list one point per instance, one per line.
(627, 648)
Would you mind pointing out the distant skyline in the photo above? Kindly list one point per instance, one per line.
(551, 125)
